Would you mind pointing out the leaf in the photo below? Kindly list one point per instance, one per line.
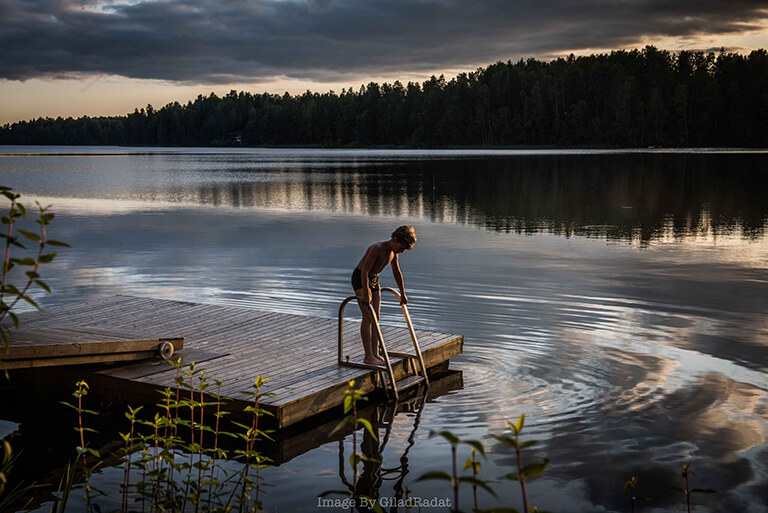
(468, 464)
(346, 420)
(368, 427)
(435, 474)
(363, 457)
(512, 477)
(58, 243)
(477, 446)
(14, 318)
(502, 510)
(452, 439)
(518, 426)
(477, 482)
(506, 440)
(535, 469)
(45, 259)
(30, 235)
(30, 301)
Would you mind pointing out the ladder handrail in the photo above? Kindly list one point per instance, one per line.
(411, 331)
(378, 331)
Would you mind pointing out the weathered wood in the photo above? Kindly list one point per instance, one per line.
(34, 363)
(58, 344)
(296, 353)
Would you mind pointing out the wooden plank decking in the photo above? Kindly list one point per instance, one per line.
(297, 354)
(46, 342)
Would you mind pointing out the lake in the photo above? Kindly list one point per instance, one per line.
(617, 298)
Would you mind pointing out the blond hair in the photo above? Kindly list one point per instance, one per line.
(405, 236)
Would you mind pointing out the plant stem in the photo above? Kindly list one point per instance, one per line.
(354, 445)
(191, 437)
(455, 480)
(520, 472)
(7, 259)
(200, 451)
(215, 440)
(249, 446)
(474, 475)
(82, 445)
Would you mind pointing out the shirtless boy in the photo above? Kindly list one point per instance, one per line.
(376, 257)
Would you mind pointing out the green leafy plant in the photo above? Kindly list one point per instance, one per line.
(687, 473)
(253, 459)
(454, 478)
(83, 451)
(177, 469)
(11, 294)
(630, 486)
(166, 469)
(523, 472)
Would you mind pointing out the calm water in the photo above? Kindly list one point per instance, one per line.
(618, 299)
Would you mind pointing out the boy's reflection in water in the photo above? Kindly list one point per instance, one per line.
(373, 474)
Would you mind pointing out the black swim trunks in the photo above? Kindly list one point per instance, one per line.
(357, 281)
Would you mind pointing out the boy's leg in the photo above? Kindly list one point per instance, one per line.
(367, 330)
(376, 302)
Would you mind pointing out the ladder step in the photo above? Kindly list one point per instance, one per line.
(368, 366)
(402, 355)
(408, 382)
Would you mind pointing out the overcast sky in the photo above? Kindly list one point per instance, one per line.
(79, 54)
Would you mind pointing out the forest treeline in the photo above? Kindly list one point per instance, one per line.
(635, 98)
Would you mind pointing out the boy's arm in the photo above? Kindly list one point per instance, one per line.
(399, 279)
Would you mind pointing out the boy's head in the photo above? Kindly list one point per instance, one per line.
(405, 236)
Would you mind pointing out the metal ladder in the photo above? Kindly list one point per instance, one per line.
(408, 381)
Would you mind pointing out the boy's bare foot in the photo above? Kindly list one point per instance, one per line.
(374, 360)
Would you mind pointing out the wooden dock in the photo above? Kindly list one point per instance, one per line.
(57, 346)
(297, 354)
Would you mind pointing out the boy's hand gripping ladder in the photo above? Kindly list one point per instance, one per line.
(407, 381)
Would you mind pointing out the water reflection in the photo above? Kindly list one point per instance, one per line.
(637, 197)
(629, 197)
(373, 475)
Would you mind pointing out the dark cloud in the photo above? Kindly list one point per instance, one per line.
(219, 41)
